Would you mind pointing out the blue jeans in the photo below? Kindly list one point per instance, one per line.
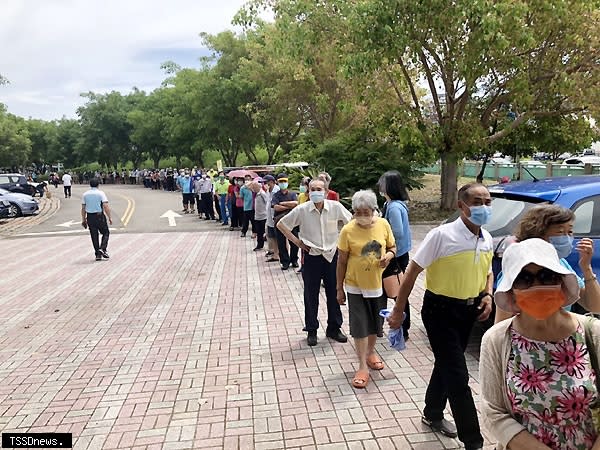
(223, 207)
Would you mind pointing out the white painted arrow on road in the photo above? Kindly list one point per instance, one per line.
(68, 224)
(170, 214)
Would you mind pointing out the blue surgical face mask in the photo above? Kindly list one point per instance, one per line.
(316, 196)
(283, 186)
(563, 244)
(480, 215)
(302, 188)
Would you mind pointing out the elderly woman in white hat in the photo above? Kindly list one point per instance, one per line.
(536, 375)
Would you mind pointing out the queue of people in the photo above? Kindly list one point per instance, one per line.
(538, 363)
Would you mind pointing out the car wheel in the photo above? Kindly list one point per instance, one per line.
(14, 211)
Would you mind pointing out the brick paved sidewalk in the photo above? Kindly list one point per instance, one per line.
(190, 340)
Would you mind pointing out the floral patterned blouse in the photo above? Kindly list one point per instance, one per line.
(550, 387)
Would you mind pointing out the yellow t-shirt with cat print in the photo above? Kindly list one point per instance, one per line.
(365, 247)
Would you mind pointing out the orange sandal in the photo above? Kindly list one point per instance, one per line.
(361, 379)
(374, 362)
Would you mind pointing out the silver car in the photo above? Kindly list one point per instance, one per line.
(20, 204)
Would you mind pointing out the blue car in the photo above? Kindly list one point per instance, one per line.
(581, 194)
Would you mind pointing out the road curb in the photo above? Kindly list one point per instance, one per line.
(48, 207)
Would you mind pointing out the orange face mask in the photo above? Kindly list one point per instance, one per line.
(540, 302)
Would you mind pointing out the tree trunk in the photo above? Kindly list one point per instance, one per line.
(449, 181)
(156, 162)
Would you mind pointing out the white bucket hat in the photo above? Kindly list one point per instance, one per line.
(531, 251)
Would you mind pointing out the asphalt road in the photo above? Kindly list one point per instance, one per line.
(135, 210)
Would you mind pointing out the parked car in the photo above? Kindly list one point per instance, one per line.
(532, 163)
(15, 182)
(20, 204)
(581, 160)
(581, 194)
(499, 161)
(4, 209)
(510, 201)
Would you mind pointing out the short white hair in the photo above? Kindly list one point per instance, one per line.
(364, 199)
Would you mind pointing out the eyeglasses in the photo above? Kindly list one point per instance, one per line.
(544, 276)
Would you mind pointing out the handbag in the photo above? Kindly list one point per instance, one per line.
(589, 343)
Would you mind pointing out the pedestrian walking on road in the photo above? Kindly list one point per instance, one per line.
(67, 182)
(458, 259)
(94, 213)
(319, 221)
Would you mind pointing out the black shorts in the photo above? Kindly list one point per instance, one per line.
(364, 314)
(188, 198)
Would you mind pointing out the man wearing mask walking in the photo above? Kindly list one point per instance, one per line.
(94, 212)
(320, 221)
(457, 257)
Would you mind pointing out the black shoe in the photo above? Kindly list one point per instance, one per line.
(243, 235)
(285, 266)
(295, 265)
(405, 333)
(268, 253)
(104, 254)
(98, 258)
(312, 339)
(256, 249)
(477, 447)
(337, 336)
(379, 333)
(443, 426)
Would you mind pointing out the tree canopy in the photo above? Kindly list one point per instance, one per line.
(342, 81)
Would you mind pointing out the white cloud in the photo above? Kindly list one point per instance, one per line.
(52, 50)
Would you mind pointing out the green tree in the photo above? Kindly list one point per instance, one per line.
(149, 125)
(106, 130)
(15, 146)
(479, 59)
(42, 135)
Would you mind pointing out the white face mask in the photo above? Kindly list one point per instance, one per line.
(364, 221)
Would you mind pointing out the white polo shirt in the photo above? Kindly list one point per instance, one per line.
(66, 178)
(318, 229)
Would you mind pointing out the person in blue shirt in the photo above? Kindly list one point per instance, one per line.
(185, 184)
(554, 224)
(94, 212)
(395, 211)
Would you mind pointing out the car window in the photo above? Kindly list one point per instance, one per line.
(15, 179)
(587, 217)
(4, 179)
(506, 214)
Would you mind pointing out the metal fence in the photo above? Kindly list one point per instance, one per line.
(470, 169)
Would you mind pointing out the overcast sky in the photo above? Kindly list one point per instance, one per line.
(53, 50)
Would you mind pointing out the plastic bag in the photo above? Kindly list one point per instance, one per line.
(395, 335)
